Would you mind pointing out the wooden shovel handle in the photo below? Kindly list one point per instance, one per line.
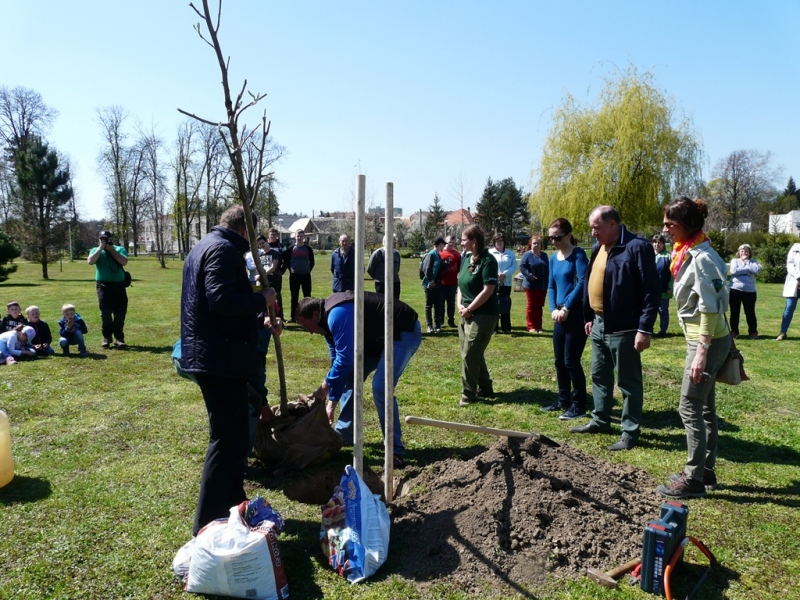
(466, 427)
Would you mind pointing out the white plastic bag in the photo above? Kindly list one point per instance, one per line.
(231, 560)
(355, 529)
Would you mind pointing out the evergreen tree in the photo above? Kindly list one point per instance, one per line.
(435, 222)
(8, 252)
(503, 208)
(44, 197)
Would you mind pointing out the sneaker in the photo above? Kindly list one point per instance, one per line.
(65, 351)
(683, 487)
(430, 329)
(106, 343)
(573, 412)
(451, 324)
(485, 392)
(465, 402)
(437, 330)
(119, 344)
(554, 407)
(84, 354)
(11, 360)
(754, 336)
(781, 337)
(709, 478)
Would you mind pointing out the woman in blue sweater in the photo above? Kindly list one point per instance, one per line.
(565, 293)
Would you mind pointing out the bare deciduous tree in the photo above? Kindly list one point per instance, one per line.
(23, 114)
(114, 166)
(229, 133)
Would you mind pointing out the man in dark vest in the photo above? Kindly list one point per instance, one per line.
(334, 318)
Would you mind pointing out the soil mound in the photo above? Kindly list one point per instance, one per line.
(518, 516)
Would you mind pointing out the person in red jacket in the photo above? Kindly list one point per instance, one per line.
(450, 277)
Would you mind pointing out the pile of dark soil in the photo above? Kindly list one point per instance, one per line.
(517, 517)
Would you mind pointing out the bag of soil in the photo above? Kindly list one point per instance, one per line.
(355, 529)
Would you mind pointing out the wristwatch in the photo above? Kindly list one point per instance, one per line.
(704, 345)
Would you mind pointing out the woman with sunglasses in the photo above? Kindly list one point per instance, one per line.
(565, 292)
(535, 270)
(701, 300)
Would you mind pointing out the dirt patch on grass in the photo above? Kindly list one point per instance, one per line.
(517, 517)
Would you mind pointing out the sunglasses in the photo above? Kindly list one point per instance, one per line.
(556, 238)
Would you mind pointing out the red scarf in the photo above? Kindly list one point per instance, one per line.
(680, 249)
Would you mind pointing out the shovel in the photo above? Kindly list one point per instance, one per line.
(542, 439)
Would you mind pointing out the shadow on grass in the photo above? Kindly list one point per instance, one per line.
(538, 398)
(75, 356)
(788, 495)
(148, 349)
(688, 575)
(23, 489)
(670, 419)
(298, 557)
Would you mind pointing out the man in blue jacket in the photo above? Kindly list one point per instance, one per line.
(620, 304)
(343, 266)
(219, 333)
(334, 318)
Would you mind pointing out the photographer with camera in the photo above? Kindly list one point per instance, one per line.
(109, 261)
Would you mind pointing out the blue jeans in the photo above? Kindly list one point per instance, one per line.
(71, 339)
(663, 313)
(788, 313)
(404, 349)
(569, 341)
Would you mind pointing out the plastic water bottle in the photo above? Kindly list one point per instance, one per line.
(6, 461)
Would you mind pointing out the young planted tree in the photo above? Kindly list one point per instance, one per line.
(634, 150)
(229, 133)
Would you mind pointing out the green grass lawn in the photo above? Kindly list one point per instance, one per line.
(109, 449)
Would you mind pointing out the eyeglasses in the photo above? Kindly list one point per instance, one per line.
(556, 238)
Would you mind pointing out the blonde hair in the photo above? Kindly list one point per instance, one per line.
(31, 308)
(67, 307)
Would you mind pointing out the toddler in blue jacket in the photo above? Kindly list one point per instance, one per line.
(72, 328)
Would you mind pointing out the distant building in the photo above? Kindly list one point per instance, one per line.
(788, 223)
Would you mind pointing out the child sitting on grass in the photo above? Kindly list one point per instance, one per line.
(13, 318)
(13, 344)
(41, 342)
(72, 328)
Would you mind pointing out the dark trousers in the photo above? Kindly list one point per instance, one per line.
(449, 293)
(277, 283)
(569, 341)
(380, 288)
(748, 300)
(504, 291)
(113, 300)
(434, 307)
(295, 282)
(222, 484)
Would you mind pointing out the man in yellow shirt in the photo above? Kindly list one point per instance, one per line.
(620, 306)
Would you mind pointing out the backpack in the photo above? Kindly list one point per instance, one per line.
(422, 266)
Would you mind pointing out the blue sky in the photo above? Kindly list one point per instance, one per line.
(424, 94)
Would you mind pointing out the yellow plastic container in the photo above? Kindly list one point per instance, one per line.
(6, 460)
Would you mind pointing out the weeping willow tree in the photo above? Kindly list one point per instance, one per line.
(633, 150)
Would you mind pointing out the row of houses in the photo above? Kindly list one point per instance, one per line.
(321, 231)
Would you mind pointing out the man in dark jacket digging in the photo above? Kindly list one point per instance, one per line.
(219, 333)
(334, 319)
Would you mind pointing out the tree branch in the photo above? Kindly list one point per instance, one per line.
(202, 120)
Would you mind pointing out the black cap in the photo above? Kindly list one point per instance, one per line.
(438, 240)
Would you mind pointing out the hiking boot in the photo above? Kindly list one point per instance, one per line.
(709, 478)
(555, 406)
(623, 443)
(780, 337)
(573, 412)
(683, 487)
